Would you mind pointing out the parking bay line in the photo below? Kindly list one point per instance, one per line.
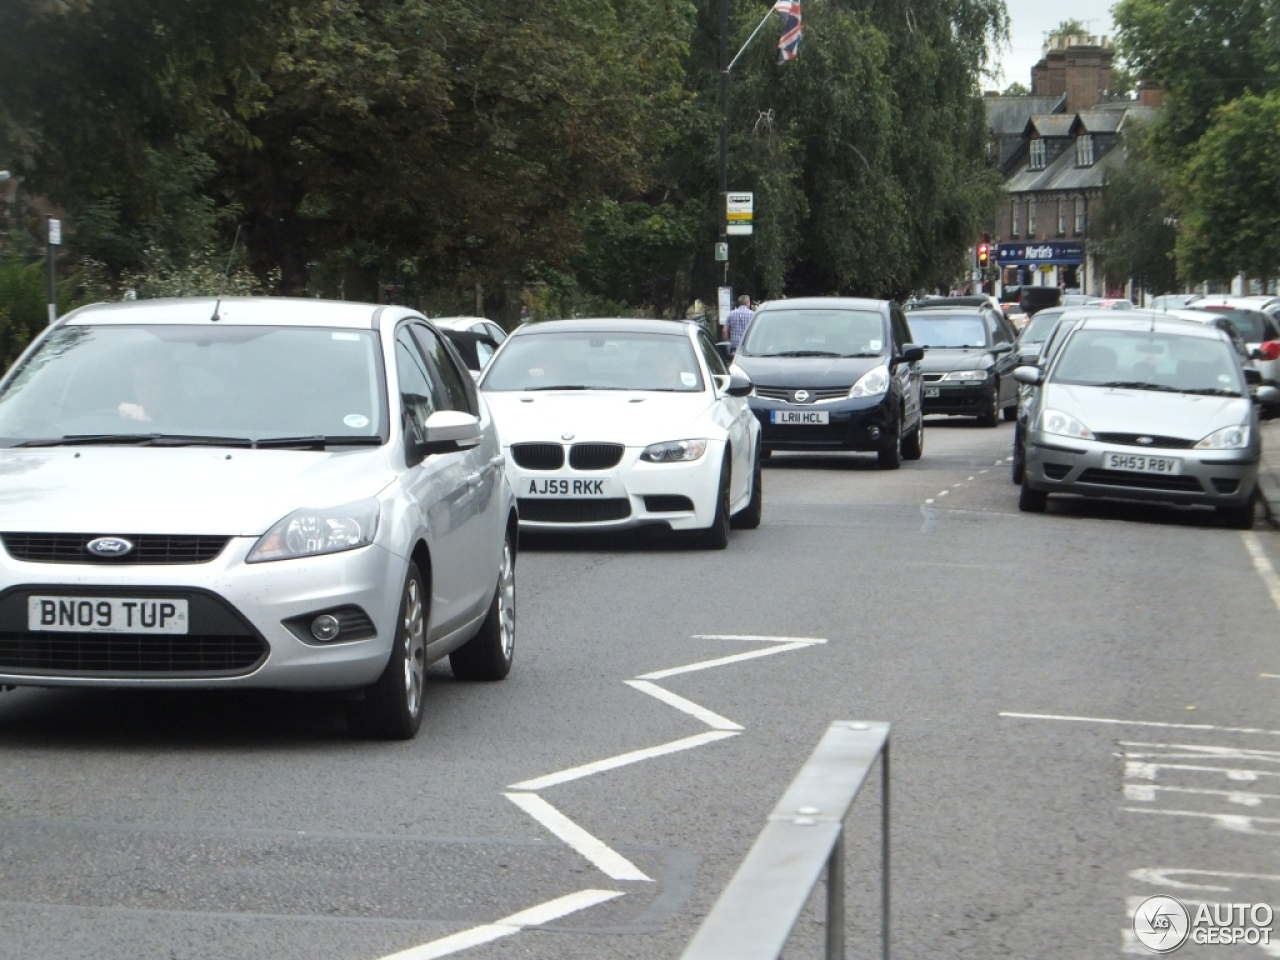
(611, 863)
(621, 760)
(1138, 723)
(533, 917)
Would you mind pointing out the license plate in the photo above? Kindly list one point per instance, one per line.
(803, 417)
(1138, 463)
(556, 487)
(106, 615)
(933, 391)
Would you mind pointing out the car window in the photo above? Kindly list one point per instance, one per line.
(495, 331)
(596, 360)
(456, 384)
(901, 330)
(826, 332)
(1150, 360)
(417, 391)
(1041, 326)
(712, 356)
(939, 328)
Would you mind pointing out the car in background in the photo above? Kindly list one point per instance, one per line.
(1143, 408)
(493, 330)
(1109, 303)
(1040, 354)
(252, 492)
(1259, 331)
(835, 374)
(1075, 299)
(613, 424)
(1033, 336)
(1013, 313)
(968, 362)
(1036, 298)
(475, 350)
(1173, 301)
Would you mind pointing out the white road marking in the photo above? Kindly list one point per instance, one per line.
(1270, 676)
(720, 662)
(713, 720)
(1236, 822)
(1149, 771)
(622, 760)
(1139, 723)
(533, 917)
(1263, 566)
(974, 478)
(611, 863)
(944, 493)
(1146, 793)
(752, 636)
(1163, 877)
(1195, 751)
(930, 500)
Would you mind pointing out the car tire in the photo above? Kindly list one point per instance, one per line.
(488, 655)
(889, 456)
(748, 518)
(1019, 456)
(913, 443)
(1237, 518)
(391, 708)
(1031, 500)
(991, 416)
(716, 536)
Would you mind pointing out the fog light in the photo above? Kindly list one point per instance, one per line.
(325, 627)
(873, 433)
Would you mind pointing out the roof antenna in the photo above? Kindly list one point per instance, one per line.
(215, 318)
(226, 274)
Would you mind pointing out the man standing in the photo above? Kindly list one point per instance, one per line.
(735, 324)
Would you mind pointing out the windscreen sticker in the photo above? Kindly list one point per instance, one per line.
(356, 420)
(875, 344)
(346, 336)
(688, 379)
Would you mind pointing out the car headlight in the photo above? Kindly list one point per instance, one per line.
(1228, 438)
(674, 451)
(872, 383)
(966, 375)
(310, 533)
(1059, 424)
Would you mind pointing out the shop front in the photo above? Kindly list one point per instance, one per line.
(1050, 264)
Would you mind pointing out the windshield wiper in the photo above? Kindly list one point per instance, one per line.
(137, 440)
(805, 353)
(1212, 392)
(563, 386)
(849, 356)
(317, 441)
(1136, 385)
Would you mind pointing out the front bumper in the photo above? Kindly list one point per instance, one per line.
(1219, 478)
(852, 424)
(246, 622)
(633, 493)
(964, 398)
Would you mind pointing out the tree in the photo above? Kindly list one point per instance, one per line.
(1133, 236)
(1016, 89)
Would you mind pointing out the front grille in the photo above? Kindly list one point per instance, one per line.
(148, 548)
(595, 456)
(126, 653)
(1141, 481)
(1057, 471)
(1131, 440)
(931, 377)
(667, 503)
(574, 509)
(787, 394)
(538, 456)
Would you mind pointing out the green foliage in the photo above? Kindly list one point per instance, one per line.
(1133, 236)
(1069, 28)
(1016, 89)
(23, 307)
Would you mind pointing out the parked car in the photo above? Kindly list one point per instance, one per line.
(835, 373)
(1260, 332)
(969, 361)
(1109, 303)
(1143, 408)
(612, 424)
(474, 324)
(1057, 323)
(1173, 301)
(272, 493)
(1035, 299)
(1074, 299)
(475, 350)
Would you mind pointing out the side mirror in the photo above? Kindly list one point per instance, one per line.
(725, 349)
(1268, 396)
(739, 385)
(447, 431)
(1001, 347)
(1028, 375)
(1252, 377)
(911, 353)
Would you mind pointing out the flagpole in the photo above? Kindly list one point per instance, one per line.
(758, 28)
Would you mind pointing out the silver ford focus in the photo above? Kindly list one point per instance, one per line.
(272, 493)
(1140, 406)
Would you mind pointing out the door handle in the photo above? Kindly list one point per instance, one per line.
(473, 479)
(499, 461)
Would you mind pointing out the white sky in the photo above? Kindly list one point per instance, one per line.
(1029, 23)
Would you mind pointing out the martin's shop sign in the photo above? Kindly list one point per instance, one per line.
(1033, 254)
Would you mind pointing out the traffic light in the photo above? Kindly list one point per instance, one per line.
(984, 254)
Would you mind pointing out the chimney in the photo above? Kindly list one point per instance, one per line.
(1078, 67)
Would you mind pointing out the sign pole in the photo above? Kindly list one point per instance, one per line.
(55, 240)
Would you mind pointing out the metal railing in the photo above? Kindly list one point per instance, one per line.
(755, 915)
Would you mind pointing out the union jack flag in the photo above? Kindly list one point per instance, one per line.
(789, 42)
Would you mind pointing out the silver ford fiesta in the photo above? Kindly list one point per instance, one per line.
(1138, 406)
(273, 493)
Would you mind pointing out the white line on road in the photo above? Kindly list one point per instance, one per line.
(1261, 564)
(736, 658)
(533, 917)
(753, 636)
(1228, 821)
(1196, 751)
(713, 720)
(1138, 723)
(1141, 770)
(613, 864)
(622, 760)
(1162, 877)
(1147, 792)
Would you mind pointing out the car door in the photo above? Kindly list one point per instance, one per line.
(1002, 339)
(443, 493)
(735, 415)
(907, 374)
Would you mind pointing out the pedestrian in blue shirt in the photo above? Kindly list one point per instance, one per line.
(735, 324)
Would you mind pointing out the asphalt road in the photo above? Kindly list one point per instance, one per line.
(1083, 705)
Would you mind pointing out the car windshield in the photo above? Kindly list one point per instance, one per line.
(1250, 324)
(1040, 326)
(595, 360)
(939, 329)
(1149, 360)
(183, 384)
(815, 333)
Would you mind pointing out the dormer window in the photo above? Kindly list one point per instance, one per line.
(1037, 154)
(1084, 150)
